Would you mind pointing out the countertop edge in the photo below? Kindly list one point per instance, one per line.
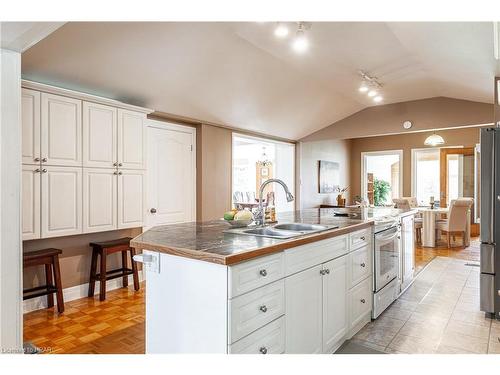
(249, 254)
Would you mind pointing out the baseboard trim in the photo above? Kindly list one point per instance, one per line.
(75, 292)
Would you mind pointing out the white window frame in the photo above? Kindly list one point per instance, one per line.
(364, 193)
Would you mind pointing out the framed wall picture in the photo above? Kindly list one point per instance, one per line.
(328, 176)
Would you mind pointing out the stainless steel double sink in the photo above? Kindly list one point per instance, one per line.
(282, 231)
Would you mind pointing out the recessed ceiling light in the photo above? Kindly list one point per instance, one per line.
(281, 30)
(372, 93)
(300, 43)
(363, 87)
(377, 99)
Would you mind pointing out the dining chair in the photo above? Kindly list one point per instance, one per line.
(456, 223)
(401, 203)
(412, 201)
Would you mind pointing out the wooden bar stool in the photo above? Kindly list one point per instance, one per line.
(50, 259)
(103, 249)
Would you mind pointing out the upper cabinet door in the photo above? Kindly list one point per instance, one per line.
(61, 201)
(99, 135)
(335, 318)
(130, 199)
(30, 126)
(131, 139)
(31, 201)
(61, 135)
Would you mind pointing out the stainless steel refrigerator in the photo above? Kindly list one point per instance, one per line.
(490, 221)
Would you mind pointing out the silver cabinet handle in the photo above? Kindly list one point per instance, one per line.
(363, 265)
(263, 273)
(37, 170)
(263, 350)
(362, 300)
(115, 172)
(263, 308)
(153, 210)
(399, 237)
(327, 271)
(37, 159)
(321, 272)
(44, 170)
(44, 160)
(120, 173)
(120, 164)
(362, 238)
(115, 164)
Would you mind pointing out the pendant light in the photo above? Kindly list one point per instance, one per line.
(434, 140)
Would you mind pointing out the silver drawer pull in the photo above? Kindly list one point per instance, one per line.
(362, 238)
(263, 350)
(362, 300)
(363, 265)
(37, 170)
(37, 159)
(327, 271)
(44, 170)
(263, 273)
(263, 308)
(321, 272)
(44, 160)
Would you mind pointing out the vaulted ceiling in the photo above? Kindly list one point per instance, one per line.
(241, 75)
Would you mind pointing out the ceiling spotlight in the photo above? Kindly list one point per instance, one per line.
(363, 87)
(281, 30)
(377, 99)
(300, 43)
(372, 93)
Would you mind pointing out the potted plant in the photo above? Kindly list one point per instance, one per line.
(340, 196)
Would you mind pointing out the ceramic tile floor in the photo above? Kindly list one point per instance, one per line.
(439, 313)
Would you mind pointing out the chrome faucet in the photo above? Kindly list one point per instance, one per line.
(260, 215)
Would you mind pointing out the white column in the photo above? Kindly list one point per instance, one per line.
(10, 202)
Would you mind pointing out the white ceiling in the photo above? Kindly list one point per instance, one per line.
(241, 75)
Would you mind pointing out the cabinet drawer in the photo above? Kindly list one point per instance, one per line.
(269, 339)
(253, 310)
(306, 256)
(360, 238)
(360, 302)
(360, 265)
(247, 276)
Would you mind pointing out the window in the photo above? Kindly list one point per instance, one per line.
(425, 175)
(382, 176)
(254, 161)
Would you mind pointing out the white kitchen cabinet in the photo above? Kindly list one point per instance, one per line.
(30, 119)
(61, 130)
(407, 267)
(30, 196)
(360, 305)
(304, 304)
(269, 339)
(100, 199)
(131, 207)
(100, 132)
(131, 140)
(61, 199)
(335, 319)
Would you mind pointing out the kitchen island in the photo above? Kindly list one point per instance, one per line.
(211, 291)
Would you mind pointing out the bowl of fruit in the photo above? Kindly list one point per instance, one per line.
(239, 219)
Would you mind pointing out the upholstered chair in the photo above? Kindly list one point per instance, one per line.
(456, 223)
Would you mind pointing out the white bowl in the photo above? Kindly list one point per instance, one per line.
(239, 223)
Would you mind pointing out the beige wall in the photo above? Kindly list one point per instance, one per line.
(309, 155)
(467, 137)
(75, 259)
(426, 114)
(214, 166)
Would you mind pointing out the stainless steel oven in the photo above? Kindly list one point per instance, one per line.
(386, 266)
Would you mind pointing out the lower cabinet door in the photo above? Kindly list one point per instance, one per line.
(131, 198)
(269, 339)
(61, 201)
(360, 302)
(99, 199)
(30, 198)
(335, 320)
(304, 312)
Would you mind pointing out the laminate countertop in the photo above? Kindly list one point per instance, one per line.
(207, 241)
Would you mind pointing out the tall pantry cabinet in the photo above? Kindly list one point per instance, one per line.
(83, 164)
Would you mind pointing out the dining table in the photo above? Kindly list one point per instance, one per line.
(429, 219)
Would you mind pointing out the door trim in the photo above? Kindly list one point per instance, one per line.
(443, 169)
(164, 125)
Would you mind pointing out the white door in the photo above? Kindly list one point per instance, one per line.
(61, 201)
(408, 250)
(61, 132)
(30, 201)
(99, 135)
(171, 176)
(335, 318)
(100, 199)
(303, 316)
(131, 205)
(30, 117)
(131, 139)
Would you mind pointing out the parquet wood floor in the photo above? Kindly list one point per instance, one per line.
(90, 326)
